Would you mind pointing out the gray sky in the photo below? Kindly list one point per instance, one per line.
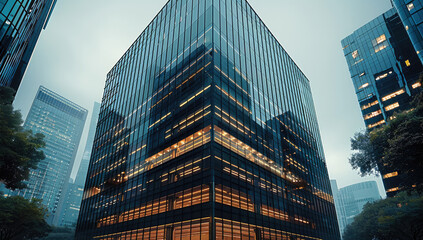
(84, 39)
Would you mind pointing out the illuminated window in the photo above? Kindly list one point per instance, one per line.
(362, 74)
(373, 114)
(406, 28)
(380, 43)
(416, 85)
(392, 189)
(389, 175)
(355, 54)
(369, 105)
(364, 86)
(407, 63)
(382, 76)
(381, 39)
(410, 6)
(392, 106)
(376, 124)
(392, 95)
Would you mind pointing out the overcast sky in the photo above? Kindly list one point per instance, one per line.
(84, 39)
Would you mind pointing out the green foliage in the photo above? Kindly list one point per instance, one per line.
(19, 149)
(22, 219)
(397, 218)
(398, 145)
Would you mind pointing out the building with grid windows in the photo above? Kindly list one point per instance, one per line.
(61, 122)
(411, 14)
(350, 200)
(70, 209)
(207, 130)
(386, 72)
(21, 22)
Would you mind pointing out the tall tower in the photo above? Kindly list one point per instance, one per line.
(61, 121)
(386, 72)
(207, 130)
(21, 23)
(73, 198)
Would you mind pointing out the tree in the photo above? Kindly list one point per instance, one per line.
(22, 219)
(397, 145)
(398, 218)
(19, 149)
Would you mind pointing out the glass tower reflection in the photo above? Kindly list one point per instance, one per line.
(207, 130)
(386, 72)
(21, 22)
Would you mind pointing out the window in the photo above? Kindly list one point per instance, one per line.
(382, 76)
(380, 43)
(416, 85)
(373, 114)
(355, 54)
(392, 106)
(376, 124)
(362, 74)
(407, 63)
(369, 105)
(410, 6)
(389, 175)
(392, 95)
(381, 39)
(364, 86)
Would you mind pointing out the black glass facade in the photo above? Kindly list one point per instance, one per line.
(21, 22)
(386, 72)
(411, 14)
(207, 130)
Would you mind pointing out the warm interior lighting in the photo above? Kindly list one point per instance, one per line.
(369, 105)
(389, 175)
(407, 63)
(376, 124)
(392, 95)
(392, 189)
(372, 114)
(410, 6)
(364, 86)
(355, 54)
(392, 106)
(416, 85)
(383, 75)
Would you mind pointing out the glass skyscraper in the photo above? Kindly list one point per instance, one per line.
(72, 205)
(21, 22)
(385, 71)
(350, 200)
(61, 122)
(411, 14)
(207, 130)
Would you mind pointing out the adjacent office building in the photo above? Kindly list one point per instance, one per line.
(61, 122)
(207, 130)
(21, 23)
(350, 200)
(386, 71)
(70, 209)
(411, 14)
(339, 206)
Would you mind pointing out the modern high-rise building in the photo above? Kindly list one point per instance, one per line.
(207, 130)
(70, 209)
(386, 72)
(351, 199)
(339, 206)
(411, 14)
(61, 122)
(21, 22)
